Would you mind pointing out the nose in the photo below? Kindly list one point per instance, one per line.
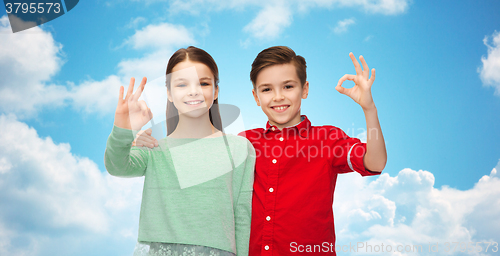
(278, 96)
(194, 89)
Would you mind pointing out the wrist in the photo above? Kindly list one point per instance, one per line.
(369, 108)
(123, 123)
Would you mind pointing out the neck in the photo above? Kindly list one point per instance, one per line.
(188, 127)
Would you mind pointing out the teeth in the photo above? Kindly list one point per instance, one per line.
(280, 108)
(194, 102)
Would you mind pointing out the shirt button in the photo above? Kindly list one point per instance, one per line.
(271, 190)
(274, 161)
(281, 139)
(268, 218)
(266, 247)
(272, 129)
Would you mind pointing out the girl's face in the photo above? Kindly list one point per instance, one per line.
(192, 89)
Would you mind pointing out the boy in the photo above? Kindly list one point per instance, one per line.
(297, 164)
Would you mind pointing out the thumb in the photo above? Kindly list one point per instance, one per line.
(340, 89)
(150, 114)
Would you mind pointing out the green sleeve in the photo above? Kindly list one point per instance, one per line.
(243, 210)
(120, 158)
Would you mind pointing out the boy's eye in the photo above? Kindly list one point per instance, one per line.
(266, 90)
(205, 84)
(288, 86)
(181, 85)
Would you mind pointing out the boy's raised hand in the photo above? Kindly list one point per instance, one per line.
(144, 139)
(361, 92)
(132, 113)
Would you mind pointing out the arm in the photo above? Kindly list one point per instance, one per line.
(119, 158)
(243, 204)
(122, 160)
(376, 154)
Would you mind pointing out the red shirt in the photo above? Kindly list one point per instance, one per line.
(295, 174)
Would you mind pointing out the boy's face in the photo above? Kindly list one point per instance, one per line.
(279, 93)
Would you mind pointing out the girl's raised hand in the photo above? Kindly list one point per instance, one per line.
(132, 113)
(361, 92)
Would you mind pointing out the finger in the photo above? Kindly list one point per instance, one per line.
(149, 131)
(120, 94)
(147, 141)
(345, 77)
(356, 63)
(138, 142)
(366, 70)
(150, 113)
(130, 88)
(143, 107)
(340, 89)
(343, 90)
(373, 76)
(138, 93)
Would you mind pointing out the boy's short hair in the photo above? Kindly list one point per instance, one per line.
(277, 55)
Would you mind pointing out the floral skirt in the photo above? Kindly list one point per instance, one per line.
(169, 249)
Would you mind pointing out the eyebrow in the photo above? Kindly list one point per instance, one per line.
(180, 78)
(263, 85)
(289, 81)
(284, 82)
(205, 78)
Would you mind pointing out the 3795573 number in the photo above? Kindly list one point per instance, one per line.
(33, 7)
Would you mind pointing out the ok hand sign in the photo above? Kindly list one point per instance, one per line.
(132, 113)
(361, 92)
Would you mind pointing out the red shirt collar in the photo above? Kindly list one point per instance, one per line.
(303, 127)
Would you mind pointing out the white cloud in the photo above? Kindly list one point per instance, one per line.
(387, 7)
(274, 16)
(29, 59)
(490, 71)
(134, 22)
(97, 96)
(342, 25)
(161, 36)
(48, 195)
(408, 210)
(270, 21)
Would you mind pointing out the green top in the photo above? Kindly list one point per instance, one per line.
(192, 194)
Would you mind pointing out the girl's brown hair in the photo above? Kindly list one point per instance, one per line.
(196, 55)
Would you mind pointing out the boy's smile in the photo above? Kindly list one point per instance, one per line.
(279, 93)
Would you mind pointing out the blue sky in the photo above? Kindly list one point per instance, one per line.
(437, 93)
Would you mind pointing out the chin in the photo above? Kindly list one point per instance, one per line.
(195, 113)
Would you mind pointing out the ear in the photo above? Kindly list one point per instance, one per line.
(216, 92)
(305, 90)
(256, 97)
(169, 96)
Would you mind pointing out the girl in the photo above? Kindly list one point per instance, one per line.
(198, 181)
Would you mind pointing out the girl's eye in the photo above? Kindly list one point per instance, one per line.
(181, 85)
(266, 90)
(205, 84)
